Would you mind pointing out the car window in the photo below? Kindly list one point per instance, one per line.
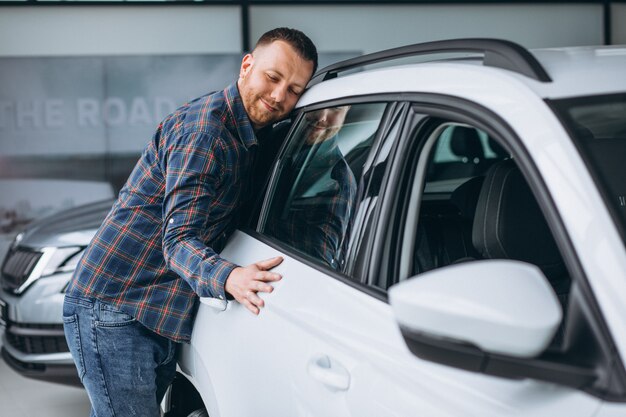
(461, 152)
(445, 231)
(598, 127)
(313, 198)
(478, 207)
(459, 211)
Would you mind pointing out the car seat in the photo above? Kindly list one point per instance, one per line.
(510, 225)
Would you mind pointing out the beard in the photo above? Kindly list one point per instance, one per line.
(320, 135)
(258, 114)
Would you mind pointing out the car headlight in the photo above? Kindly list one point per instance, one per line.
(17, 240)
(63, 260)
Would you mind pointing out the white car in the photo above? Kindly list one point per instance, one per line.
(459, 252)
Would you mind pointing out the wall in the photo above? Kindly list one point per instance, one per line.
(198, 29)
(118, 30)
(619, 23)
(371, 28)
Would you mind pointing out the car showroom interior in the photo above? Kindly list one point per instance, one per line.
(425, 216)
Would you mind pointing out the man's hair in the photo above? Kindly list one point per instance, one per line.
(296, 39)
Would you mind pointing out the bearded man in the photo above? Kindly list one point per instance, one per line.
(134, 294)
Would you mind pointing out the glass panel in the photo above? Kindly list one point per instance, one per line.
(461, 152)
(598, 125)
(314, 196)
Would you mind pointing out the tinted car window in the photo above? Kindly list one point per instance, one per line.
(598, 126)
(314, 195)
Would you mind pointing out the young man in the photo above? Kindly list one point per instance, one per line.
(134, 294)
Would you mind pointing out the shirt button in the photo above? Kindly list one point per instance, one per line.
(171, 221)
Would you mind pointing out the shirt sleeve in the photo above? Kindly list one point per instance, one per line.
(194, 166)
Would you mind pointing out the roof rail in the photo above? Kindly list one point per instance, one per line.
(497, 53)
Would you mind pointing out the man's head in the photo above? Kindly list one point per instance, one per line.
(325, 123)
(273, 76)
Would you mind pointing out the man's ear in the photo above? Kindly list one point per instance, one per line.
(246, 65)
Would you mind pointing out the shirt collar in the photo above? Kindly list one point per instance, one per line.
(238, 119)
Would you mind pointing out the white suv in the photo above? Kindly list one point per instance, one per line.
(453, 246)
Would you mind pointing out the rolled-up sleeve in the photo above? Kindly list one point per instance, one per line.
(194, 166)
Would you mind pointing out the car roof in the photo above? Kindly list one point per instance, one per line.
(561, 73)
(584, 70)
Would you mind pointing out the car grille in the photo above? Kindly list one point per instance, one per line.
(17, 267)
(54, 342)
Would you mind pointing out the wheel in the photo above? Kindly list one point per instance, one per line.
(199, 413)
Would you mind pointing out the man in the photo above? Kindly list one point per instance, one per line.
(135, 292)
(322, 190)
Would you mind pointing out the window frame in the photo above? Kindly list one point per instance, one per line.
(390, 113)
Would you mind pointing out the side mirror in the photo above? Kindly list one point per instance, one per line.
(492, 316)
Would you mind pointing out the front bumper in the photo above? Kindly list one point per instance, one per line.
(51, 372)
(38, 351)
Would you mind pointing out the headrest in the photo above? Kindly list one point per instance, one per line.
(465, 196)
(465, 143)
(509, 224)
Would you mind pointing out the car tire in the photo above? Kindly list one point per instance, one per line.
(199, 413)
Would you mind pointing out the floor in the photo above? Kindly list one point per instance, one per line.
(23, 397)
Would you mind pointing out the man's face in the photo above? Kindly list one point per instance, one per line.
(271, 81)
(325, 123)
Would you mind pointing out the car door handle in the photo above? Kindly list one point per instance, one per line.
(329, 372)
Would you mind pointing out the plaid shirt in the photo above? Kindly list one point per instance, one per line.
(318, 213)
(173, 216)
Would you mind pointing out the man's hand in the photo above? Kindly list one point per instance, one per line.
(244, 283)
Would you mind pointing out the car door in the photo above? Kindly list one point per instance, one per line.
(306, 352)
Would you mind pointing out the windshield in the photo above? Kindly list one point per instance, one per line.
(598, 125)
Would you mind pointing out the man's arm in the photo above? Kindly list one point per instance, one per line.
(195, 166)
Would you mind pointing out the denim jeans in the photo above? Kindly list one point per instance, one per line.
(125, 367)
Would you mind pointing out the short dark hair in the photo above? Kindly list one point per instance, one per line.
(298, 41)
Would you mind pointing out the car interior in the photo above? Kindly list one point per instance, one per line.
(489, 213)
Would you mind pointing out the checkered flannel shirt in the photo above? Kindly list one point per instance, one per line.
(157, 248)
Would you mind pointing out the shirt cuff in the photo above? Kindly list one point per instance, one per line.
(221, 271)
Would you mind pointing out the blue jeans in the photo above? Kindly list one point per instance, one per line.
(125, 367)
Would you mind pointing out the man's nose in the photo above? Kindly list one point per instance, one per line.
(278, 94)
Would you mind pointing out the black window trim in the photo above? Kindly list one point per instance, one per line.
(423, 125)
(396, 117)
(463, 111)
